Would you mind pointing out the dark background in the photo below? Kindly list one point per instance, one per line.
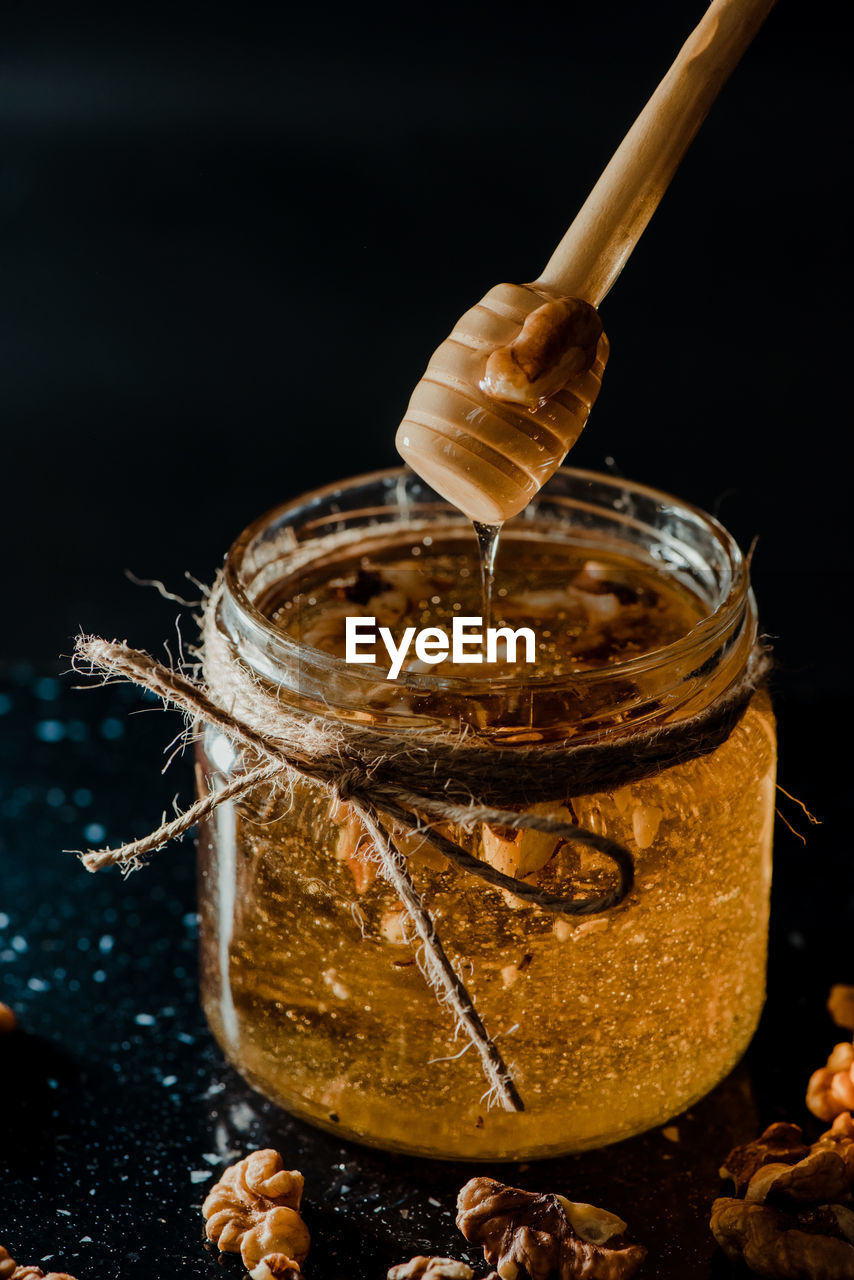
(229, 241)
(231, 237)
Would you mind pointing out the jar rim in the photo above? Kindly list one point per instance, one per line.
(261, 633)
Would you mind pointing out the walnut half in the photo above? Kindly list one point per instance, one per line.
(544, 1236)
(795, 1222)
(254, 1210)
(840, 1138)
(814, 1244)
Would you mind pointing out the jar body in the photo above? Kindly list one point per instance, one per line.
(610, 1023)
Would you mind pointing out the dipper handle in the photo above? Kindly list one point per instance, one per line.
(612, 219)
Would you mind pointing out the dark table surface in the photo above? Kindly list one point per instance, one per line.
(117, 1110)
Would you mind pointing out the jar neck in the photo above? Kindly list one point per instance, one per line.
(370, 512)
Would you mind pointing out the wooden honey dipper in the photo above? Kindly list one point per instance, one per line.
(506, 396)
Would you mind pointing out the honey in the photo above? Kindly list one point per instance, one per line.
(610, 1023)
(587, 614)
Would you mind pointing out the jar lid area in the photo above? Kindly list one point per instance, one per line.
(581, 516)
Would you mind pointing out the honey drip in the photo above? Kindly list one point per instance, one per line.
(488, 536)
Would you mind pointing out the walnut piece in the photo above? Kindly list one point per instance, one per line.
(840, 1006)
(779, 1166)
(254, 1210)
(779, 1144)
(831, 1088)
(556, 343)
(542, 1236)
(818, 1177)
(840, 1137)
(276, 1246)
(800, 1236)
(422, 1268)
(9, 1270)
(811, 1245)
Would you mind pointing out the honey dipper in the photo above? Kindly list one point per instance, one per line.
(508, 393)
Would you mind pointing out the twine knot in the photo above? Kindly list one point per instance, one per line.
(348, 784)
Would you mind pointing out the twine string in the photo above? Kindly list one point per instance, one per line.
(349, 783)
(354, 768)
(353, 786)
(440, 972)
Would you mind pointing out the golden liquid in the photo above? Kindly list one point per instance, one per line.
(611, 1023)
(586, 614)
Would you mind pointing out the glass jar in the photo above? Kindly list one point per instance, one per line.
(611, 1023)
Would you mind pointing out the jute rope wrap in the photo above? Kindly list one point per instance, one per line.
(414, 783)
